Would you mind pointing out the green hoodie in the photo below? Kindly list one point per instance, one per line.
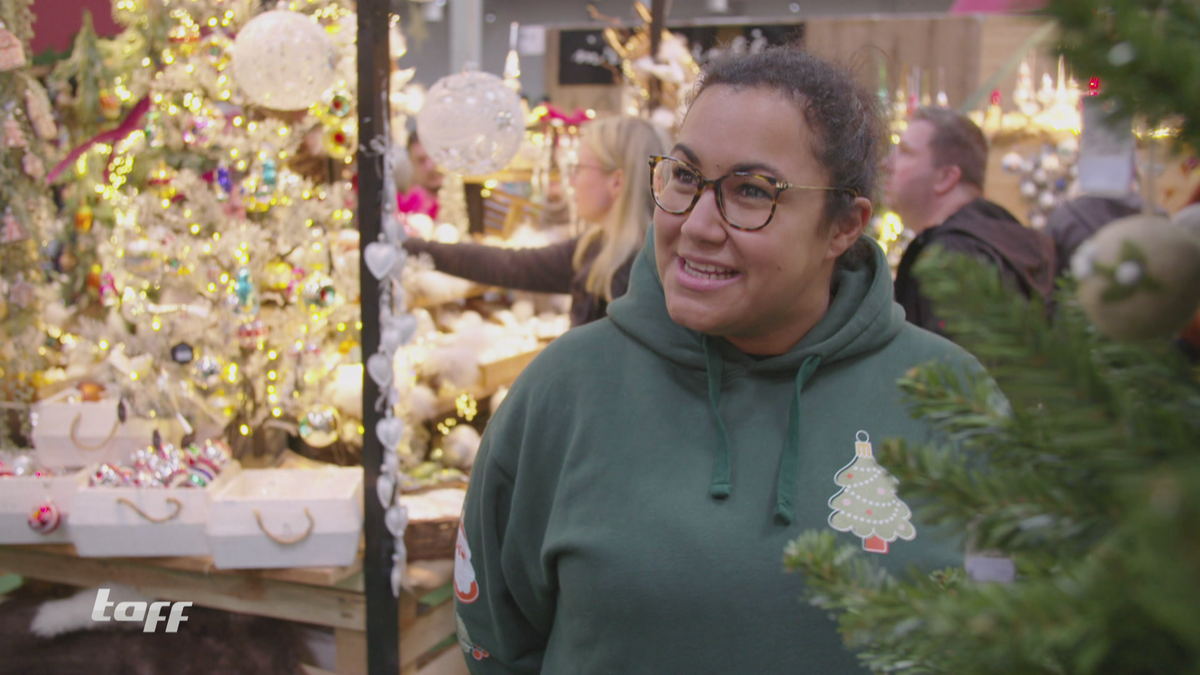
(634, 493)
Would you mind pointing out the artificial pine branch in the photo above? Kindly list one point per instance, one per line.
(1085, 472)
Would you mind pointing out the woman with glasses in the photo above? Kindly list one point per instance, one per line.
(634, 494)
(611, 197)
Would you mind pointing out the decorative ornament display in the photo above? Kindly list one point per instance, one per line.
(319, 292)
(206, 372)
(243, 289)
(12, 54)
(319, 427)
(283, 60)
(339, 103)
(200, 129)
(45, 518)
(252, 334)
(277, 276)
(94, 280)
(83, 219)
(339, 141)
(471, 123)
(166, 466)
(10, 230)
(110, 105)
(1046, 177)
(1139, 278)
(183, 353)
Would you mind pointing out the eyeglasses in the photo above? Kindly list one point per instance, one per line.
(747, 201)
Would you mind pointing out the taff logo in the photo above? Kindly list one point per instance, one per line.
(137, 611)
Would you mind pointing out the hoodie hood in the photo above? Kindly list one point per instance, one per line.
(1027, 253)
(861, 318)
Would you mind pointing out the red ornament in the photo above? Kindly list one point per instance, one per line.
(1093, 86)
(45, 518)
(996, 97)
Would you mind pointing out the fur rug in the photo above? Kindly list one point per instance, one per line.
(48, 630)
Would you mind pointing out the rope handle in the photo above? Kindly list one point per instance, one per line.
(154, 519)
(282, 540)
(75, 434)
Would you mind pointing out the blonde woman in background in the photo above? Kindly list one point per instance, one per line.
(611, 198)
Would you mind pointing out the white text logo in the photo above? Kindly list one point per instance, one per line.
(150, 613)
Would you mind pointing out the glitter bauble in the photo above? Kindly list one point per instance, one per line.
(283, 60)
(471, 123)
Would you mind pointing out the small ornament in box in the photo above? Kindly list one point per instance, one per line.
(155, 504)
(84, 426)
(270, 518)
(34, 501)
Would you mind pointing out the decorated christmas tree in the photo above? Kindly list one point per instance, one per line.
(1081, 483)
(26, 212)
(215, 209)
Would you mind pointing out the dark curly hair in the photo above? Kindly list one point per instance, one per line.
(847, 122)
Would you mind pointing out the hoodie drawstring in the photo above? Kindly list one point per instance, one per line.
(789, 463)
(721, 463)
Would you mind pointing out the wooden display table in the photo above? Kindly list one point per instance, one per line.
(330, 597)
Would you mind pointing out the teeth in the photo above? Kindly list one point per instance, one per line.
(708, 271)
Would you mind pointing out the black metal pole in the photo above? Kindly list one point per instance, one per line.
(374, 68)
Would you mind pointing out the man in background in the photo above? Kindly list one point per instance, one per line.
(935, 184)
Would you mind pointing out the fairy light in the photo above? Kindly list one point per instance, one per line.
(232, 373)
(156, 324)
(244, 430)
(272, 355)
(103, 345)
(272, 375)
(276, 412)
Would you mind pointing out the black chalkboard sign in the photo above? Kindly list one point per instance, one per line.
(584, 57)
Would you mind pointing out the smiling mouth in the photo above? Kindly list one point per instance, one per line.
(708, 272)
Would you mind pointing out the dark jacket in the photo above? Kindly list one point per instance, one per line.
(547, 269)
(985, 230)
(1074, 222)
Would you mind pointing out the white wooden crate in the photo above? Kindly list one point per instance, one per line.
(269, 518)
(131, 522)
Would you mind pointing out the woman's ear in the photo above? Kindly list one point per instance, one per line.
(616, 181)
(847, 230)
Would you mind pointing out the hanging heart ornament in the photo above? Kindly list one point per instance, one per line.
(389, 432)
(380, 258)
(379, 367)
